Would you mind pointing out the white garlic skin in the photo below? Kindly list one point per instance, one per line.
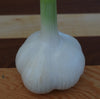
(45, 66)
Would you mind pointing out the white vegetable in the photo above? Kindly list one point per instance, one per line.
(49, 59)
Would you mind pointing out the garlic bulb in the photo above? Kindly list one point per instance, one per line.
(49, 59)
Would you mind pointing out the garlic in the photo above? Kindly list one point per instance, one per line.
(49, 59)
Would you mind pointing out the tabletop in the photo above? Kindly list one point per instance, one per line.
(11, 86)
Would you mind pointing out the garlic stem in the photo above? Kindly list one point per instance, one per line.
(48, 18)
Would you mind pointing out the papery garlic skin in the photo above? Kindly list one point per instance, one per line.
(45, 66)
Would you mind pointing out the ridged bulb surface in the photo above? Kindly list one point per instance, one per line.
(48, 65)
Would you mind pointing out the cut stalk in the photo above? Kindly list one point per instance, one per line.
(48, 11)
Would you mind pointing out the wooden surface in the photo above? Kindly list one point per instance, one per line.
(64, 6)
(21, 26)
(9, 48)
(88, 87)
(85, 27)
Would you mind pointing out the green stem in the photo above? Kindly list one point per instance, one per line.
(48, 18)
